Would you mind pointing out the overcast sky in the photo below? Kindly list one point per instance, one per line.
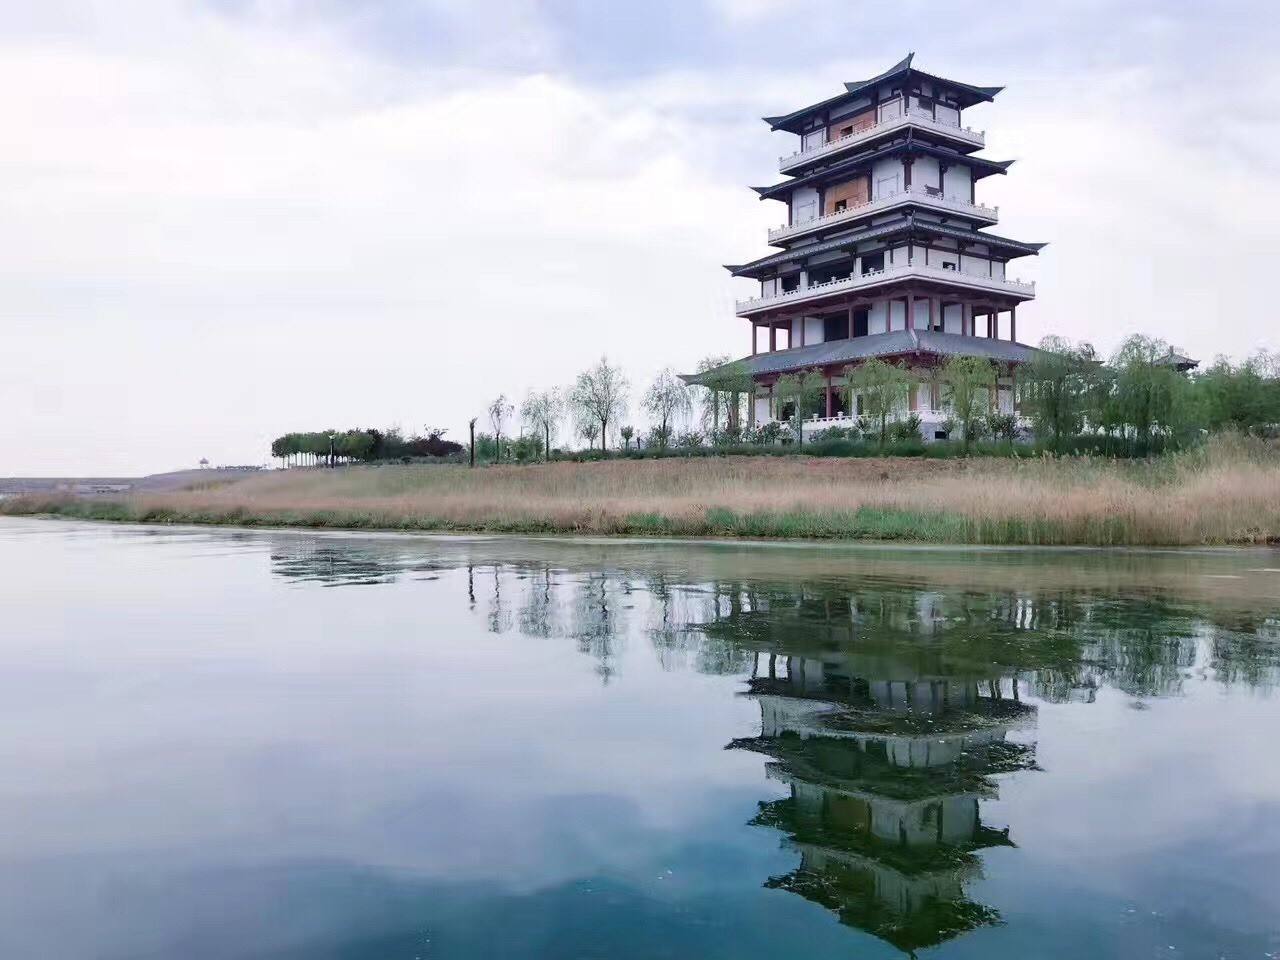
(228, 219)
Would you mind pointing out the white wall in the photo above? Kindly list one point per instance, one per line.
(997, 269)
(804, 204)
(921, 311)
(947, 114)
(956, 182)
(812, 330)
(897, 315)
(975, 266)
(953, 318)
(924, 172)
(876, 318)
(762, 410)
(886, 177)
(938, 257)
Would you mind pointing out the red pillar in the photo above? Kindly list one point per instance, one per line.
(753, 338)
(911, 310)
(773, 339)
(829, 396)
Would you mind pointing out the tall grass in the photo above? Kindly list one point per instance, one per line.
(1225, 493)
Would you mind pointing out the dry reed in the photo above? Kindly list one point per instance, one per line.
(1227, 493)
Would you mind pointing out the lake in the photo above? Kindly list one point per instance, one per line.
(234, 744)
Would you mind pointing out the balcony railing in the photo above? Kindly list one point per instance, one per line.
(955, 277)
(929, 197)
(915, 117)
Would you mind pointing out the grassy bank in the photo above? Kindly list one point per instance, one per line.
(1225, 493)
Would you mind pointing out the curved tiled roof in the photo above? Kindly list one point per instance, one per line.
(853, 89)
(894, 343)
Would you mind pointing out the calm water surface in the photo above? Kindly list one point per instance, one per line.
(228, 745)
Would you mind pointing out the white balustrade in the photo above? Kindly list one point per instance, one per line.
(914, 117)
(924, 196)
(910, 270)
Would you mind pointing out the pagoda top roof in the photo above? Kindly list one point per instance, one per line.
(894, 343)
(968, 94)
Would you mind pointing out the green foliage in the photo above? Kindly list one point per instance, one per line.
(1244, 397)
(906, 430)
(360, 446)
(666, 401)
(722, 385)
(969, 381)
(883, 387)
(598, 398)
(802, 392)
(1058, 387)
(1151, 397)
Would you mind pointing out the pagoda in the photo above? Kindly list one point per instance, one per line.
(885, 251)
(886, 769)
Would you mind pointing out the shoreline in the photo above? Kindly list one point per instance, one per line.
(268, 524)
(621, 539)
(1227, 494)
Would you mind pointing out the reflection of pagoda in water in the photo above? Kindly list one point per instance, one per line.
(886, 764)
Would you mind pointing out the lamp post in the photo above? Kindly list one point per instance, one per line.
(332, 440)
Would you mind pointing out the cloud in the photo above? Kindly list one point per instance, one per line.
(224, 221)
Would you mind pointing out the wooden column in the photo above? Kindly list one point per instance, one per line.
(850, 322)
(773, 338)
(1013, 323)
(753, 338)
(966, 318)
(802, 326)
(911, 311)
(828, 395)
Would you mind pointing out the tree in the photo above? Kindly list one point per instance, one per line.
(472, 426)
(1059, 387)
(627, 433)
(666, 399)
(589, 430)
(500, 411)
(969, 380)
(541, 412)
(883, 387)
(600, 395)
(1239, 397)
(723, 381)
(1151, 396)
(802, 391)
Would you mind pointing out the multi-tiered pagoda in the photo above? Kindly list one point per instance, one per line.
(885, 251)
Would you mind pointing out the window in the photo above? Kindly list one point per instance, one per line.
(841, 205)
(948, 264)
(846, 131)
(872, 262)
(791, 283)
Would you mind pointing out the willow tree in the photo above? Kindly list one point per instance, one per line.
(666, 399)
(500, 411)
(724, 382)
(883, 387)
(969, 380)
(1057, 390)
(1152, 397)
(802, 390)
(600, 396)
(541, 412)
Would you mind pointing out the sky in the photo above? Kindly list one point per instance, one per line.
(229, 219)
